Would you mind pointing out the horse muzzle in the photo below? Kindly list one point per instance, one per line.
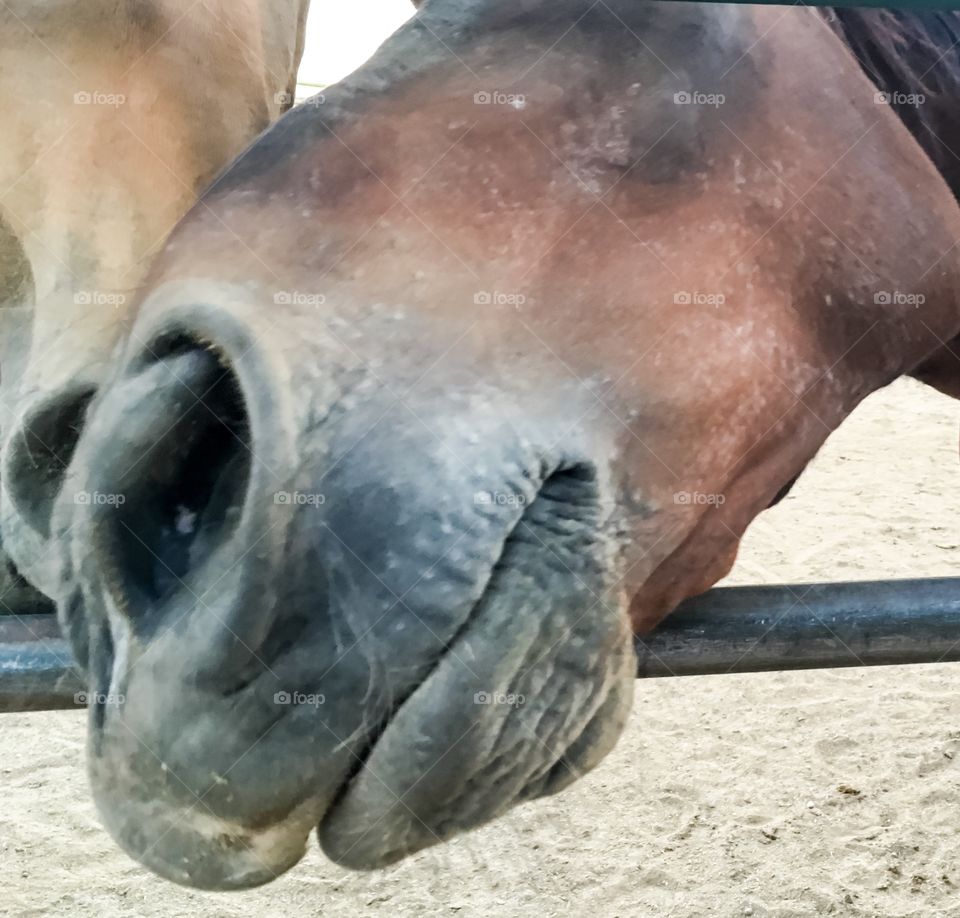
(309, 594)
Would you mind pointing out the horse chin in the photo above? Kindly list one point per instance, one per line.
(203, 851)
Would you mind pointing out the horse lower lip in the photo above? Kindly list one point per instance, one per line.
(437, 768)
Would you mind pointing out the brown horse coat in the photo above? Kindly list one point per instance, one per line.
(914, 60)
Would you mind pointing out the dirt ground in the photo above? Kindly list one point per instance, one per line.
(723, 797)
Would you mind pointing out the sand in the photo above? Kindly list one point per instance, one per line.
(830, 793)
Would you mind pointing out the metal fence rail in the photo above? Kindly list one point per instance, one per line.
(728, 630)
(807, 626)
(37, 671)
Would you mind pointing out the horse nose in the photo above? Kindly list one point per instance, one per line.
(260, 540)
(160, 494)
(39, 446)
(196, 501)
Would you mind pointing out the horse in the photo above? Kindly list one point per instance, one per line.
(461, 376)
(117, 116)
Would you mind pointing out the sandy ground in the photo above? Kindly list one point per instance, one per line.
(722, 797)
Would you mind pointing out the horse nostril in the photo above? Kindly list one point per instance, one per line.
(39, 452)
(173, 476)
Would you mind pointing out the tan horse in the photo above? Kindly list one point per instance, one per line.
(527, 322)
(115, 117)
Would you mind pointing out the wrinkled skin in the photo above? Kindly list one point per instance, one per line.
(116, 116)
(485, 387)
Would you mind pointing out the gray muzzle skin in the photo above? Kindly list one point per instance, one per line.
(310, 592)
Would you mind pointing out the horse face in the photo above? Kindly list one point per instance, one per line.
(451, 378)
(109, 142)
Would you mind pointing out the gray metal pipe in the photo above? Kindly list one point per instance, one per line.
(728, 630)
(37, 671)
(806, 626)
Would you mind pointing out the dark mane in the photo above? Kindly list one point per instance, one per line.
(908, 54)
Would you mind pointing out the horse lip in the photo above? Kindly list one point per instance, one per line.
(373, 739)
(233, 855)
(210, 852)
(247, 853)
(386, 810)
